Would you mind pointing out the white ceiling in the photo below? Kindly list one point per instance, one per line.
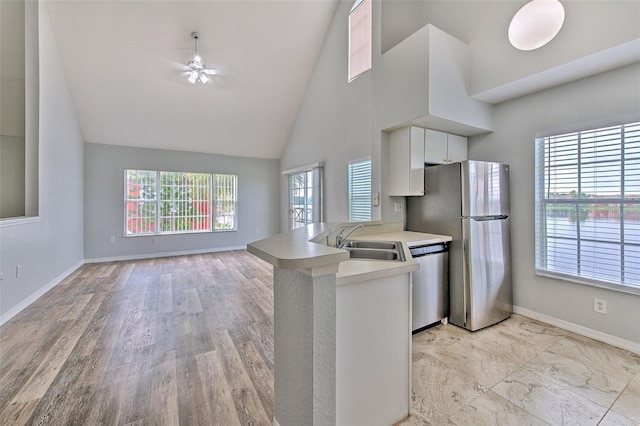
(597, 35)
(124, 61)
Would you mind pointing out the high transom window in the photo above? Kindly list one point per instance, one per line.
(359, 38)
(159, 202)
(588, 206)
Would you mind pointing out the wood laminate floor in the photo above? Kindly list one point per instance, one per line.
(189, 341)
(179, 340)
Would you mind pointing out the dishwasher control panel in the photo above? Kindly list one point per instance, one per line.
(425, 250)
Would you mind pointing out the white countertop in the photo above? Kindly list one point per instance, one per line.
(294, 250)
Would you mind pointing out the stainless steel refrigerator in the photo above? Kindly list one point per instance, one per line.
(470, 202)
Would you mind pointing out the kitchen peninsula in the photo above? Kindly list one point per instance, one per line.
(342, 328)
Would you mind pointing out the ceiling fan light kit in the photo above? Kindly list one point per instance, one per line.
(536, 24)
(196, 69)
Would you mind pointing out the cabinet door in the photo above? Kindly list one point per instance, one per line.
(416, 180)
(373, 341)
(456, 148)
(399, 151)
(406, 161)
(435, 147)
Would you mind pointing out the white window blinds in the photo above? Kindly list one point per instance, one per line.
(359, 38)
(360, 191)
(588, 206)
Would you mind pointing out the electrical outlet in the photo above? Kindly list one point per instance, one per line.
(18, 271)
(375, 199)
(112, 239)
(397, 207)
(599, 305)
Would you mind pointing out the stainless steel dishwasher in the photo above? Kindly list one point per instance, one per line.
(430, 285)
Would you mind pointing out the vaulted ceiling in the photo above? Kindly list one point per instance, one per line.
(124, 61)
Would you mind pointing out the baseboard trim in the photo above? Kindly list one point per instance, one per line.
(51, 284)
(578, 329)
(164, 254)
(38, 294)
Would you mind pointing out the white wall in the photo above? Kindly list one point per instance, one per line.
(50, 247)
(333, 123)
(587, 103)
(340, 121)
(258, 200)
(12, 66)
(589, 27)
(12, 109)
(11, 176)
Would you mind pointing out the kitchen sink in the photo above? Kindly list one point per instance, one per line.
(386, 245)
(369, 253)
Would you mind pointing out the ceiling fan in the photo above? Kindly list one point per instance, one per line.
(196, 69)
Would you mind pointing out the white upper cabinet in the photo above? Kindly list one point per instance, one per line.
(444, 148)
(435, 147)
(406, 161)
(410, 148)
(456, 148)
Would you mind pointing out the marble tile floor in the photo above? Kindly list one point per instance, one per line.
(521, 372)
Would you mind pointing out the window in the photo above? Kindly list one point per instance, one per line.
(141, 202)
(359, 38)
(360, 191)
(184, 202)
(177, 202)
(588, 207)
(224, 202)
(300, 199)
(305, 195)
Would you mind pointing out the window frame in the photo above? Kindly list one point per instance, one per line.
(351, 190)
(591, 160)
(316, 191)
(367, 45)
(214, 200)
(158, 200)
(299, 218)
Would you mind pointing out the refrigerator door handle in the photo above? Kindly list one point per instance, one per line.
(484, 218)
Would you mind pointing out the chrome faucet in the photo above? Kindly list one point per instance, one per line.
(340, 240)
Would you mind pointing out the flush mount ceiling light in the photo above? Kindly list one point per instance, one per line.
(536, 24)
(196, 69)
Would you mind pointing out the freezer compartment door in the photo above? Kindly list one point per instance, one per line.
(488, 296)
(485, 189)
